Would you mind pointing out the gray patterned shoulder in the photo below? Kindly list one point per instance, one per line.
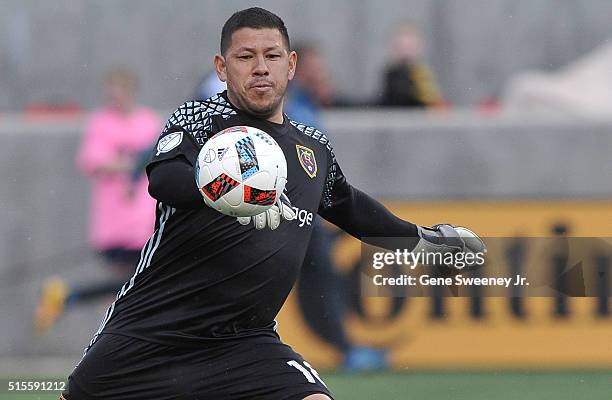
(313, 133)
(332, 169)
(195, 117)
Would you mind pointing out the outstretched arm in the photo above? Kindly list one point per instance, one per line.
(365, 218)
(362, 216)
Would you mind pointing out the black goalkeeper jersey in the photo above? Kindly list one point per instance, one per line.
(202, 276)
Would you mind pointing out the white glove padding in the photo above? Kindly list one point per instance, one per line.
(272, 217)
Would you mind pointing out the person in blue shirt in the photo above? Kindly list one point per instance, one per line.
(319, 288)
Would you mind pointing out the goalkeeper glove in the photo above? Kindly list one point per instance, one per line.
(282, 209)
(445, 238)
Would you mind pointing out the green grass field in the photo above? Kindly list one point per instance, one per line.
(497, 385)
(483, 385)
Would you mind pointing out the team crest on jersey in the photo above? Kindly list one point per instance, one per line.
(169, 142)
(307, 160)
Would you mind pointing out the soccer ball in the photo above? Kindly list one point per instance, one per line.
(241, 171)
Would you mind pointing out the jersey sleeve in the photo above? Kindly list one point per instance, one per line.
(181, 136)
(335, 185)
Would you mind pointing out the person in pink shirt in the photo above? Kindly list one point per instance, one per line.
(122, 214)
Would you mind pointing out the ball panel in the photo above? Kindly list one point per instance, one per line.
(262, 180)
(231, 166)
(234, 197)
(219, 187)
(259, 197)
(240, 171)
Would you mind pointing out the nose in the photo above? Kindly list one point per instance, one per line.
(261, 68)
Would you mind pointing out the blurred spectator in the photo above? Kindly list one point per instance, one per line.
(311, 87)
(319, 288)
(407, 81)
(122, 212)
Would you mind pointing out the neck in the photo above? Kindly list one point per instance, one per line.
(278, 117)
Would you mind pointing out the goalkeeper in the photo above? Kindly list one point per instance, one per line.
(196, 320)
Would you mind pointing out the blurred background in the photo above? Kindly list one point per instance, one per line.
(496, 115)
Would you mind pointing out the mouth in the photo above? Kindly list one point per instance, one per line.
(261, 87)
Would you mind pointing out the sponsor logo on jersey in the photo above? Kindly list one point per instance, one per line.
(169, 142)
(307, 160)
(303, 217)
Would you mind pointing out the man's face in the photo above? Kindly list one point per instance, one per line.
(408, 45)
(257, 66)
(314, 77)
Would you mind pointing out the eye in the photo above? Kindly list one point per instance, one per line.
(274, 56)
(245, 57)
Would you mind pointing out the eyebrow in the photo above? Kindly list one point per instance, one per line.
(252, 49)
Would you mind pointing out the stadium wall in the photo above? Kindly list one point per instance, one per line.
(58, 51)
(499, 176)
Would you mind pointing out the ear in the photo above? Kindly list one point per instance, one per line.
(292, 64)
(220, 67)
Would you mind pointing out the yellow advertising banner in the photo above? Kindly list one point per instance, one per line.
(494, 337)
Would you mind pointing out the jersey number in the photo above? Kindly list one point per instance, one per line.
(309, 375)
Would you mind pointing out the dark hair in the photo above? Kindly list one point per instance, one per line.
(256, 18)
